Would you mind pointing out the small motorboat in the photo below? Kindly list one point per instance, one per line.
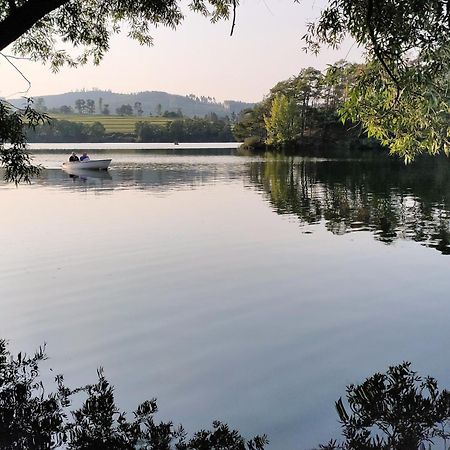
(92, 164)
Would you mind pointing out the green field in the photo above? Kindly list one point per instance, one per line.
(112, 124)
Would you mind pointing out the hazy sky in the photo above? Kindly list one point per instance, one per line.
(199, 57)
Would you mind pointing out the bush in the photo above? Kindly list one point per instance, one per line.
(33, 420)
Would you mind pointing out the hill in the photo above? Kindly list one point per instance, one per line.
(148, 102)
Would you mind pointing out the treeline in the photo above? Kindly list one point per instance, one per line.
(302, 110)
(66, 131)
(208, 129)
(186, 130)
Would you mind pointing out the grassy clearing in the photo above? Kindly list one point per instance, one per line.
(112, 124)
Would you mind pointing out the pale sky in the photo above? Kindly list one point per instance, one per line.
(198, 57)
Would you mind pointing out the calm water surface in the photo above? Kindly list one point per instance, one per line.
(249, 290)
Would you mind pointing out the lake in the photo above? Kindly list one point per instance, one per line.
(246, 289)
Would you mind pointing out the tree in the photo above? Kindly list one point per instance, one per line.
(40, 104)
(250, 122)
(125, 110)
(158, 109)
(14, 157)
(36, 27)
(90, 106)
(32, 418)
(105, 109)
(97, 130)
(80, 105)
(64, 109)
(283, 124)
(396, 410)
(401, 95)
(138, 109)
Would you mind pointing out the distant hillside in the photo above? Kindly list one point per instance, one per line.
(189, 105)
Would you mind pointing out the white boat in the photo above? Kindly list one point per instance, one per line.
(92, 164)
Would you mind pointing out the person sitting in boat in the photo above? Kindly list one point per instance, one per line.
(73, 157)
(85, 157)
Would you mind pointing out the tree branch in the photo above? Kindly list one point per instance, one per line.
(234, 18)
(22, 18)
(376, 48)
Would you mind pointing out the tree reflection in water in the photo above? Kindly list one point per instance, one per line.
(383, 196)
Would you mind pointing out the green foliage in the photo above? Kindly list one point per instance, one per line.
(396, 410)
(89, 25)
(250, 123)
(67, 131)
(317, 97)
(402, 96)
(125, 110)
(14, 156)
(412, 121)
(186, 130)
(283, 124)
(32, 419)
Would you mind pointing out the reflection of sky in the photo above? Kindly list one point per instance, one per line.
(208, 300)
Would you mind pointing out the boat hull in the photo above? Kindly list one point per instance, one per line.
(92, 164)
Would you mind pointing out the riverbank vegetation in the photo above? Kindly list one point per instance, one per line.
(396, 410)
(303, 113)
(399, 96)
(138, 129)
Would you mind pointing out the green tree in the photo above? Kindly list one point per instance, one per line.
(97, 130)
(401, 95)
(250, 123)
(125, 110)
(80, 105)
(138, 108)
(14, 123)
(90, 106)
(37, 27)
(283, 124)
(307, 92)
(64, 109)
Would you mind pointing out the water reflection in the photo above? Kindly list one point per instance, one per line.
(161, 176)
(384, 197)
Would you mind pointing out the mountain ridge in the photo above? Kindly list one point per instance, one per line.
(190, 105)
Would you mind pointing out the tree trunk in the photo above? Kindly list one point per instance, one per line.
(22, 18)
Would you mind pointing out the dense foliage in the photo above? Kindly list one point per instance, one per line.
(306, 105)
(208, 129)
(14, 123)
(186, 130)
(37, 28)
(396, 410)
(30, 418)
(401, 96)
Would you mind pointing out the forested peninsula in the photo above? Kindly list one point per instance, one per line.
(300, 115)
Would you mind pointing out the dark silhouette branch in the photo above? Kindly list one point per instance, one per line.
(22, 18)
(20, 73)
(377, 51)
(234, 18)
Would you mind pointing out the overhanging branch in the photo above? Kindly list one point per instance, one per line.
(23, 17)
